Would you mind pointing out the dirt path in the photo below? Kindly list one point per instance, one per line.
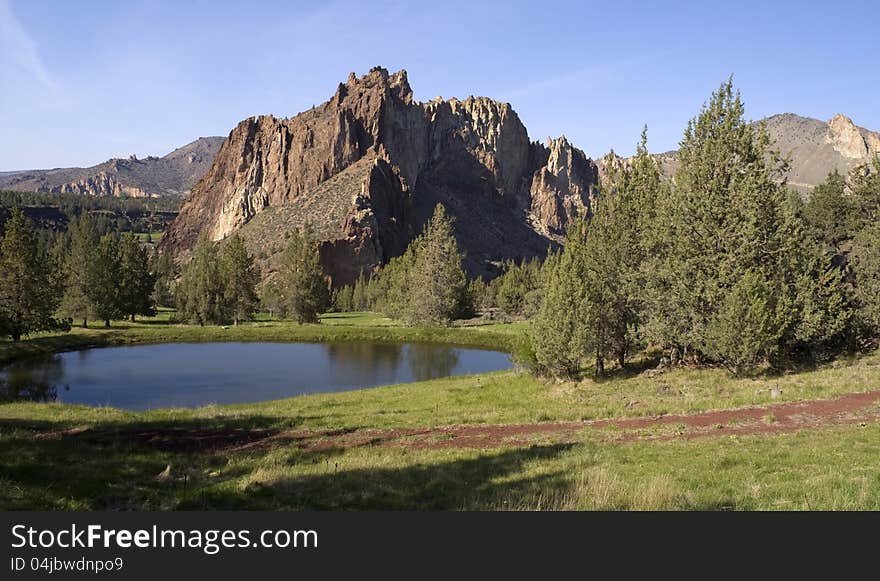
(769, 419)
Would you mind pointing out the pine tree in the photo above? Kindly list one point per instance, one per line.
(302, 279)
(29, 289)
(136, 279)
(240, 277)
(437, 284)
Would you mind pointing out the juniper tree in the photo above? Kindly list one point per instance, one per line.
(831, 212)
(105, 290)
(80, 272)
(730, 214)
(201, 292)
(616, 250)
(240, 278)
(302, 280)
(136, 279)
(29, 283)
(436, 284)
(344, 299)
(866, 265)
(558, 334)
(164, 270)
(359, 295)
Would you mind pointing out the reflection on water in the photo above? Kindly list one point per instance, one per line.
(431, 361)
(375, 360)
(32, 380)
(192, 375)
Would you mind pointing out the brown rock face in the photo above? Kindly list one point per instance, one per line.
(366, 169)
(564, 187)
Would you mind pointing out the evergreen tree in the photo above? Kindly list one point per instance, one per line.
(616, 250)
(240, 278)
(163, 269)
(389, 292)
(359, 295)
(105, 292)
(136, 279)
(832, 212)
(866, 191)
(270, 298)
(558, 334)
(302, 280)
(516, 283)
(730, 227)
(437, 285)
(201, 292)
(344, 299)
(80, 270)
(29, 284)
(866, 265)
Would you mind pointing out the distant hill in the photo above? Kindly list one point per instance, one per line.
(171, 175)
(814, 147)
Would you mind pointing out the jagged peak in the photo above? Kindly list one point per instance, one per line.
(397, 83)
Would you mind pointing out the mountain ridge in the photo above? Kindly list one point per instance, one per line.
(170, 175)
(393, 159)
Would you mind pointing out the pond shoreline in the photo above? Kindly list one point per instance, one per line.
(152, 332)
(193, 375)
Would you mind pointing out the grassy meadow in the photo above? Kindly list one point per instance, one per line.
(59, 456)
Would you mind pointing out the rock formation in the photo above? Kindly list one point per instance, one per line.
(366, 169)
(171, 175)
(814, 148)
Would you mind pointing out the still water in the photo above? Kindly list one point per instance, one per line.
(196, 374)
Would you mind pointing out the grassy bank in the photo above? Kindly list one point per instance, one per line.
(57, 456)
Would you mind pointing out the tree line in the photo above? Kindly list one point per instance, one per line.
(48, 284)
(724, 264)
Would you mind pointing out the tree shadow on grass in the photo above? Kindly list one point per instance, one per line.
(117, 465)
(490, 481)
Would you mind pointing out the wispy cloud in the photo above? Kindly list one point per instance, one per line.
(18, 51)
(595, 76)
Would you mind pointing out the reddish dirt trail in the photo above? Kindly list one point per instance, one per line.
(769, 419)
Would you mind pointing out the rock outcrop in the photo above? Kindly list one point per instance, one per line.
(366, 169)
(814, 148)
(565, 186)
(171, 175)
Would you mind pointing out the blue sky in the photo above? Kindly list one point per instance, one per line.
(84, 81)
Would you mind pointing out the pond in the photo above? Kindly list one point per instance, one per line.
(196, 374)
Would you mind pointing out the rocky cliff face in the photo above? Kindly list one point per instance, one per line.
(366, 168)
(171, 175)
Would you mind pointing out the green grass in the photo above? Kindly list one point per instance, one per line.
(107, 468)
(826, 469)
